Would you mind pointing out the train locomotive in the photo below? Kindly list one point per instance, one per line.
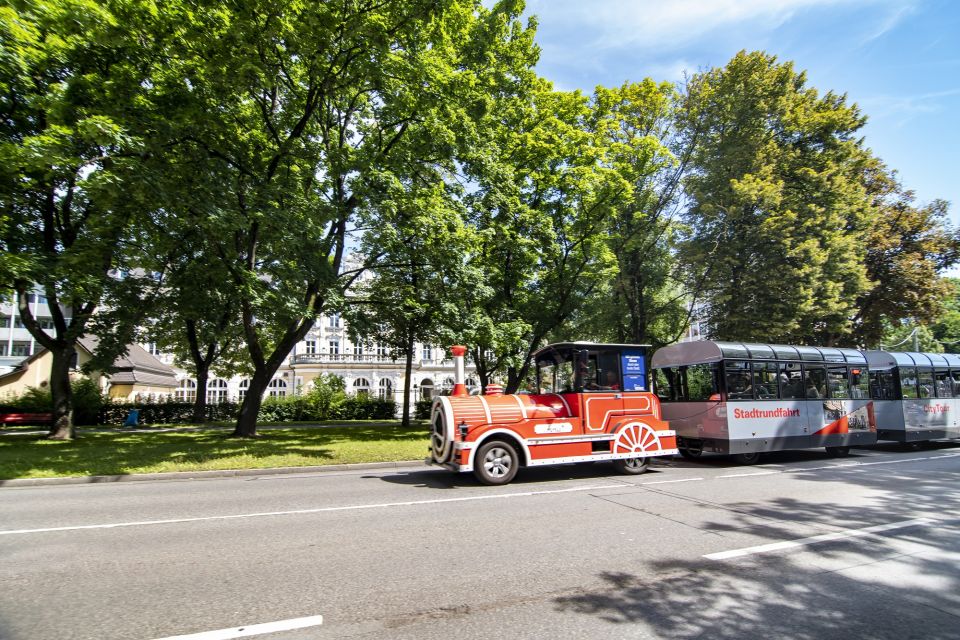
(591, 404)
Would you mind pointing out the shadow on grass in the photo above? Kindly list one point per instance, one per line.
(124, 453)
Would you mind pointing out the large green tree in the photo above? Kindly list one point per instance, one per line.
(778, 210)
(542, 207)
(301, 110)
(73, 84)
(906, 249)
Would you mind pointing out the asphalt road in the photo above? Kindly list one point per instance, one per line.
(870, 549)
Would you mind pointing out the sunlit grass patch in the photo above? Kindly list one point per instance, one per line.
(30, 456)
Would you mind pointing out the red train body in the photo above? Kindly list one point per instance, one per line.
(591, 408)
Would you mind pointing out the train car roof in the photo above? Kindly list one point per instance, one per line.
(704, 351)
(561, 346)
(889, 359)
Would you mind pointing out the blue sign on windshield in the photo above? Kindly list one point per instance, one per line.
(634, 371)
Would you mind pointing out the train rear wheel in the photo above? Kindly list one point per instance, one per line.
(632, 466)
(838, 452)
(753, 457)
(692, 449)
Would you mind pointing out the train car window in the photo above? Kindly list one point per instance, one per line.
(944, 383)
(738, 380)
(666, 384)
(791, 381)
(608, 371)
(883, 385)
(702, 382)
(955, 375)
(925, 380)
(838, 384)
(814, 381)
(765, 377)
(908, 382)
(859, 382)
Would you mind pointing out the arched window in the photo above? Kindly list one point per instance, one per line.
(471, 385)
(186, 390)
(361, 387)
(216, 391)
(277, 388)
(385, 389)
(426, 389)
(244, 385)
(448, 385)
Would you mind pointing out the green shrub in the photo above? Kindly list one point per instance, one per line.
(166, 412)
(421, 410)
(87, 401)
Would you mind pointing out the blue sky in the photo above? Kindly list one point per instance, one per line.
(900, 61)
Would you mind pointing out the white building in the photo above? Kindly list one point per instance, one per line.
(327, 349)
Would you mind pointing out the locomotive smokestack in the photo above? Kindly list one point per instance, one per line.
(459, 375)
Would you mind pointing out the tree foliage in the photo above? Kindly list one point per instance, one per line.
(778, 211)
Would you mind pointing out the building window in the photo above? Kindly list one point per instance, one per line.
(217, 391)
(310, 347)
(277, 388)
(18, 323)
(5, 322)
(244, 385)
(358, 349)
(334, 347)
(153, 349)
(335, 321)
(361, 387)
(471, 384)
(3, 348)
(427, 352)
(41, 299)
(186, 390)
(20, 349)
(381, 350)
(426, 389)
(385, 389)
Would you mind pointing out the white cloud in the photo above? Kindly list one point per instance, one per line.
(670, 24)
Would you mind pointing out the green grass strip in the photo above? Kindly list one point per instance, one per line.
(98, 453)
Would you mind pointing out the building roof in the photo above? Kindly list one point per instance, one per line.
(137, 367)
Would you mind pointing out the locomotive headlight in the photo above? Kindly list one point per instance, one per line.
(463, 428)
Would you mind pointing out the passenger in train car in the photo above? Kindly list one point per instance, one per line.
(811, 389)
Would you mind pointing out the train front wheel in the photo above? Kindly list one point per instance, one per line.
(753, 457)
(838, 452)
(632, 466)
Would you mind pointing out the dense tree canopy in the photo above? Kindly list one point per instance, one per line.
(227, 158)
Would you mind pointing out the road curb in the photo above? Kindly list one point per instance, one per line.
(200, 475)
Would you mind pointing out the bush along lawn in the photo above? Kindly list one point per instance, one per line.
(95, 454)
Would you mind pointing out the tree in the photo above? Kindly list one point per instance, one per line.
(648, 300)
(300, 110)
(421, 286)
(72, 79)
(778, 209)
(541, 212)
(907, 247)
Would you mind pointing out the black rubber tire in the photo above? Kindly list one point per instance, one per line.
(502, 466)
(747, 458)
(838, 452)
(632, 466)
(692, 453)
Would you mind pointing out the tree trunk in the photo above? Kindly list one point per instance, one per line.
(62, 426)
(200, 402)
(408, 369)
(247, 420)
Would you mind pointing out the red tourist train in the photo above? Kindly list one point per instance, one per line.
(591, 404)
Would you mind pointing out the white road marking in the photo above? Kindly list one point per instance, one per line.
(252, 630)
(643, 484)
(354, 507)
(802, 542)
(755, 473)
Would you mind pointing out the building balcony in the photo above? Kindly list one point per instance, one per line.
(339, 358)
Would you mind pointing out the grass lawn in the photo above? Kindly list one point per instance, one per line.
(94, 454)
